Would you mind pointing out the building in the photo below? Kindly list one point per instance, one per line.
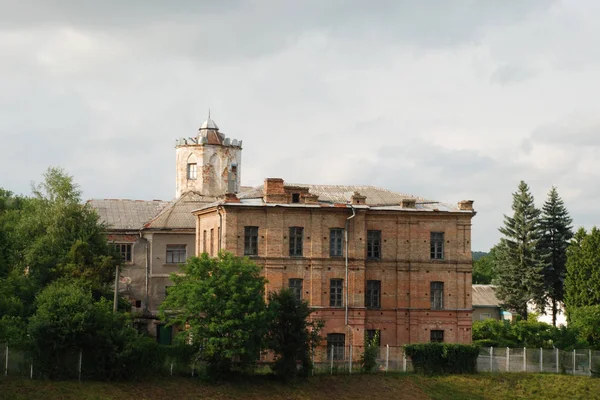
(366, 259)
(485, 303)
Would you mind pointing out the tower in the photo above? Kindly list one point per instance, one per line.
(209, 163)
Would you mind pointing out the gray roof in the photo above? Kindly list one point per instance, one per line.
(126, 214)
(485, 296)
(178, 214)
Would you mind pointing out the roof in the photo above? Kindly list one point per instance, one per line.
(485, 296)
(209, 124)
(178, 214)
(126, 214)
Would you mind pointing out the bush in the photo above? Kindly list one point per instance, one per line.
(443, 358)
(368, 360)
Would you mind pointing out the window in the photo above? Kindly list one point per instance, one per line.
(336, 289)
(295, 285)
(296, 234)
(373, 244)
(138, 304)
(373, 294)
(164, 334)
(437, 336)
(295, 197)
(125, 250)
(336, 240)
(212, 242)
(176, 253)
(192, 171)
(166, 292)
(374, 334)
(483, 316)
(437, 295)
(437, 245)
(251, 240)
(336, 341)
(204, 248)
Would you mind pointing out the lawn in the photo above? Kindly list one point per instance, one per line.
(393, 386)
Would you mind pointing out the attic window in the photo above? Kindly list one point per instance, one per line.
(295, 197)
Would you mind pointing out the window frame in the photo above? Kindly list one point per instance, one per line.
(436, 245)
(250, 240)
(173, 249)
(373, 292)
(374, 244)
(296, 241)
(338, 342)
(128, 251)
(296, 286)
(336, 292)
(192, 171)
(439, 333)
(336, 242)
(436, 295)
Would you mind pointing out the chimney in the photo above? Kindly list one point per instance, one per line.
(357, 198)
(408, 203)
(466, 205)
(231, 198)
(273, 191)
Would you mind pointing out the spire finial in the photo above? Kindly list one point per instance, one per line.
(209, 113)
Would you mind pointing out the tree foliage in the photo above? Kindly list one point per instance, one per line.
(556, 233)
(484, 268)
(292, 336)
(582, 282)
(221, 302)
(368, 359)
(518, 263)
(586, 320)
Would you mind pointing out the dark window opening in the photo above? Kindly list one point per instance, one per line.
(295, 286)
(374, 244)
(138, 304)
(336, 290)
(437, 295)
(437, 245)
(251, 240)
(296, 236)
(437, 336)
(336, 242)
(373, 294)
(295, 197)
(335, 345)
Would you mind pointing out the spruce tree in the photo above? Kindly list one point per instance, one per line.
(582, 282)
(518, 263)
(556, 231)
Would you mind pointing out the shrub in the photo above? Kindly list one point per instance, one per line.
(368, 360)
(443, 358)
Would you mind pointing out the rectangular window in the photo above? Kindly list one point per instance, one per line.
(176, 253)
(337, 342)
(204, 236)
(374, 244)
(336, 290)
(212, 242)
(373, 294)
(483, 316)
(125, 250)
(437, 295)
(138, 304)
(372, 334)
(251, 240)
(296, 234)
(437, 245)
(336, 241)
(295, 197)
(192, 171)
(436, 336)
(295, 285)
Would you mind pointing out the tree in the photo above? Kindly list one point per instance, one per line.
(582, 282)
(221, 302)
(556, 233)
(291, 334)
(483, 268)
(518, 262)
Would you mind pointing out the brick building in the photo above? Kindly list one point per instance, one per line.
(365, 258)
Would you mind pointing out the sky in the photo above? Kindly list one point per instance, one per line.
(447, 100)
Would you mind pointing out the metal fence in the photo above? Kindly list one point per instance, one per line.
(346, 360)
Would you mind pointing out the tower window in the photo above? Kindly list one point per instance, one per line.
(192, 171)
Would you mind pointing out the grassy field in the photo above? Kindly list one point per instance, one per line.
(393, 386)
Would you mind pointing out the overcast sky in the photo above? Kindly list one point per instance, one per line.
(448, 100)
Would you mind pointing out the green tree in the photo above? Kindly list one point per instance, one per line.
(586, 320)
(368, 359)
(291, 334)
(221, 301)
(483, 269)
(518, 263)
(557, 231)
(582, 281)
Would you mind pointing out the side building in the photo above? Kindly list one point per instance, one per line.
(368, 260)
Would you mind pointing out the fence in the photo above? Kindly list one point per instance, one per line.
(347, 360)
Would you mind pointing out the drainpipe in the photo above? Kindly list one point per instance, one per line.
(219, 208)
(346, 239)
(147, 272)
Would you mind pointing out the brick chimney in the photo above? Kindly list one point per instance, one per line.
(408, 203)
(357, 198)
(466, 205)
(273, 191)
(231, 198)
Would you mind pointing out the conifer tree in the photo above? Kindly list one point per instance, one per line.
(518, 263)
(582, 282)
(557, 232)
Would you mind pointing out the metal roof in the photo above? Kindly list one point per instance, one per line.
(209, 124)
(178, 214)
(126, 214)
(485, 296)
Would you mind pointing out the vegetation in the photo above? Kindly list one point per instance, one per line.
(483, 268)
(556, 233)
(582, 283)
(368, 359)
(443, 358)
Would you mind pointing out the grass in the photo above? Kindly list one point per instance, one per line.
(392, 386)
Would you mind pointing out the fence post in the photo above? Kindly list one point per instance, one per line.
(574, 361)
(6, 362)
(404, 360)
(350, 370)
(387, 357)
(171, 369)
(524, 359)
(541, 360)
(80, 359)
(491, 358)
(331, 365)
(31, 371)
(557, 362)
(508, 359)
(590, 363)
(193, 367)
